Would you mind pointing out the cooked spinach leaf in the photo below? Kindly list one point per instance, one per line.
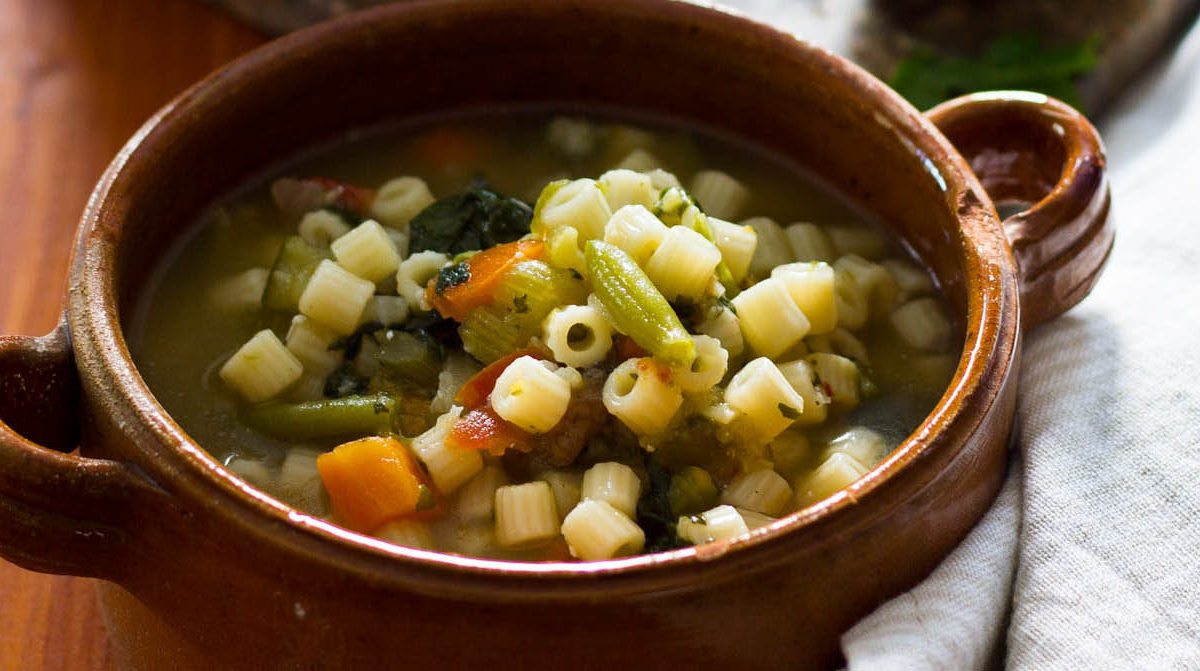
(654, 511)
(344, 382)
(478, 218)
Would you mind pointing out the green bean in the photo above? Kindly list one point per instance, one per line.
(692, 491)
(295, 264)
(636, 306)
(327, 418)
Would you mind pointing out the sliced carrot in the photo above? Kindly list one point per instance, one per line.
(485, 271)
(483, 429)
(370, 481)
(474, 393)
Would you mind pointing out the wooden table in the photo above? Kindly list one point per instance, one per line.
(77, 77)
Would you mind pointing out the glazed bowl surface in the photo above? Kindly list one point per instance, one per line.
(200, 569)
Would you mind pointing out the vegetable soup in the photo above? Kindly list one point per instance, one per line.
(543, 337)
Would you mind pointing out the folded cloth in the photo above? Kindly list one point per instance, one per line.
(1090, 557)
(1098, 526)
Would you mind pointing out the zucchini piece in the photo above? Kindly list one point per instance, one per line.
(294, 266)
(409, 358)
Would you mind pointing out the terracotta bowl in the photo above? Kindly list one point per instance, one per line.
(200, 570)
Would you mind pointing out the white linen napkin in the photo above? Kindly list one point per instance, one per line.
(1102, 506)
(1090, 557)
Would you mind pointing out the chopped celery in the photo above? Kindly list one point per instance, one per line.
(671, 205)
(293, 267)
(327, 418)
(523, 299)
(637, 308)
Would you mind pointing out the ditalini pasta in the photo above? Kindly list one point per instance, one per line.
(448, 465)
(529, 395)
(614, 483)
(261, 368)
(367, 251)
(596, 530)
(721, 194)
(335, 298)
(719, 524)
(770, 319)
(772, 248)
(641, 394)
(577, 335)
(534, 341)
(763, 491)
(809, 242)
(625, 187)
(400, 199)
(580, 204)
(635, 230)
(322, 227)
(525, 514)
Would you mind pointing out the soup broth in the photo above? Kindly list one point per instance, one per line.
(543, 337)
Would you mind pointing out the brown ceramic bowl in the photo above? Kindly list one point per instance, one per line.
(201, 571)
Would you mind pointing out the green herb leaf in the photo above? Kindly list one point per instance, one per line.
(452, 276)
(788, 411)
(1013, 61)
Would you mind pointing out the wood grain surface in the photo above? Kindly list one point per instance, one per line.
(77, 77)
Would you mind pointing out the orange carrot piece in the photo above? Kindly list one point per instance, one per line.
(486, 270)
(444, 146)
(474, 392)
(370, 481)
(483, 429)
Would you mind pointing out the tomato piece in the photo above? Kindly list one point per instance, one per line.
(475, 392)
(357, 199)
(483, 429)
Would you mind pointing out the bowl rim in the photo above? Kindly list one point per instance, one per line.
(167, 454)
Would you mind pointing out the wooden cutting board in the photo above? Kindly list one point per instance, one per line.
(76, 79)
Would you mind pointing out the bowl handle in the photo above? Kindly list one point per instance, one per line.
(59, 512)
(1038, 155)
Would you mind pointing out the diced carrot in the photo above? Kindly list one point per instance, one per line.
(485, 271)
(357, 199)
(483, 429)
(445, 146)
(474, 393)
(370, 481)
(626, 348)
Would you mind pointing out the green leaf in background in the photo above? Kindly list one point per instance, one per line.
(1014, 61)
